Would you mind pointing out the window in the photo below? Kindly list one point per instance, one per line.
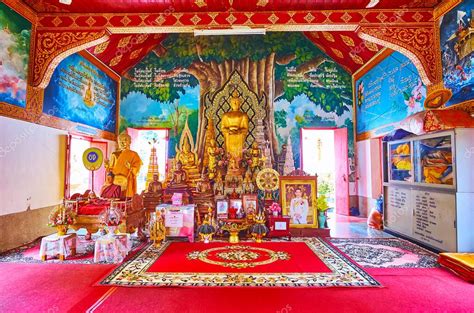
(78, 178)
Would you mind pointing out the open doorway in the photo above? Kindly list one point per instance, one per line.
(152, 147)
(324, 153)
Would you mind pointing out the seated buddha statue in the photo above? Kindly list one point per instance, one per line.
(203, 190)
(179, 178)
(155, 188)
(235, 127)
(189, 161)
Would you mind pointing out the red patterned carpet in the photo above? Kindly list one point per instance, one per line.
(304, 262)
(248, 257)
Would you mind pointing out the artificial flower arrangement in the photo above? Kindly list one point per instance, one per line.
(112, 219)
(275, 209)
(61, 215)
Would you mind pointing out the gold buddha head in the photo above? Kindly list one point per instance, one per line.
(235, 100)
(124, 140)
(179, 165)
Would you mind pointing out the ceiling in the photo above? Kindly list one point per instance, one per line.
(123, 51)
(176, 6)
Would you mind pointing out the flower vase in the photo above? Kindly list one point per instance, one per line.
(322, 219)
(62, 229)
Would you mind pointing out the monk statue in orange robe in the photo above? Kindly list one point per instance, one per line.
(125, 165)
(109, 189)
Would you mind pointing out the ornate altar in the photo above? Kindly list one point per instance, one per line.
(90, 212)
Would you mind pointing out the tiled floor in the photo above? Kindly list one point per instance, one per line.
(352, 227)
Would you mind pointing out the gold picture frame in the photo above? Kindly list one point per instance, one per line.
(298, 195)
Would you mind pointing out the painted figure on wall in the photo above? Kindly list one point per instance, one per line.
(457, 47)
(15, 32)
(125, 165)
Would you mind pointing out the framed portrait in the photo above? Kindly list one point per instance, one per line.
(222, 208)
(298, 200)
(249, 203)
(236, 203)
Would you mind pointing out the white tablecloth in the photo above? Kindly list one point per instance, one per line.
(54, 245)
(112, 248)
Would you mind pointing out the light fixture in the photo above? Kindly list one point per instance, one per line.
(68, 2)
(230, 31)
(372, 3)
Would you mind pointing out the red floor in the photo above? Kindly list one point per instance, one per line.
(70, 288)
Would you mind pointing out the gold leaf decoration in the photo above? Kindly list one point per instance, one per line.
(116, 60)
(135, 54)
(141, 38)
(101, 47)
(337, 53)
(200, 3)
(371, 46)
(124, 42)
(329, 37)
(357, 59)
(262, 3)
(348, 40)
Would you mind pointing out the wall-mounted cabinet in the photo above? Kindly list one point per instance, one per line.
(429, 189)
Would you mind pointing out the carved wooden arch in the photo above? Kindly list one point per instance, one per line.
(51, 47)
(419, 44)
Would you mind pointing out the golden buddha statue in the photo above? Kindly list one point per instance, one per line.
(218, 185)
(188, 156)
(212, 152)
(235, 127)
(155, 186)
(179, 178)
(203, 191)
(125, 165)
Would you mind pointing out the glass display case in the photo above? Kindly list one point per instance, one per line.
(433, 160)
(400, 161)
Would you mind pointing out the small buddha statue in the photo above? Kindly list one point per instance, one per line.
(256, 155)
(212, 152)
(179, 177)
(218, 185)
(154, 187)
(203, 189)
(247, 184)
(189, 162)
(235, 127)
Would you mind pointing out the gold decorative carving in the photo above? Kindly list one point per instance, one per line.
(116, 60)
(371, 46)
(195, 19)
(337, 53)
(135, 53)
(262, 3)
(357, 59)
(101, 48)
(124, 42)
(417, 43)
(52, 47)
(329, 37)
(200, 3)
(348, 40)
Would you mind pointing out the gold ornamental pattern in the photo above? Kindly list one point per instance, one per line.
(239, 256)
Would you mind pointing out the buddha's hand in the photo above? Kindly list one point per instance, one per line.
(128, 165)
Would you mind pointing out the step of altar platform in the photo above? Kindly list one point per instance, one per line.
(310, 232)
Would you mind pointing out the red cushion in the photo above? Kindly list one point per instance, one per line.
(92, 209)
